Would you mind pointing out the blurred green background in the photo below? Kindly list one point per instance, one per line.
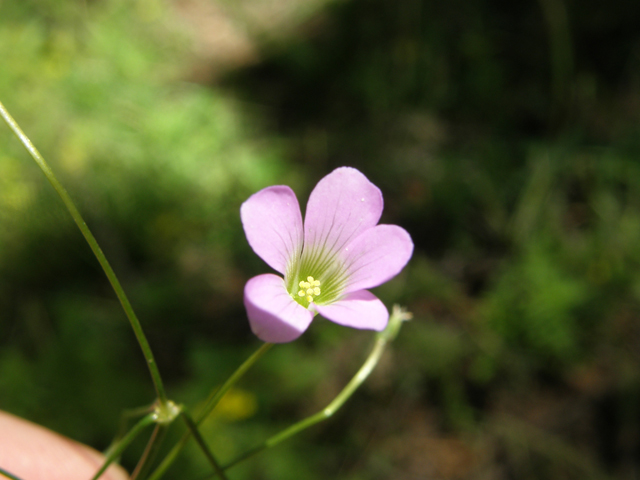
(505, 137)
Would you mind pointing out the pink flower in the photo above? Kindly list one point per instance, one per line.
(328, 264)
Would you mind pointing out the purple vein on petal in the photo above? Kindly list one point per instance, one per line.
(378, 255)
(273, 224)
(332, 205)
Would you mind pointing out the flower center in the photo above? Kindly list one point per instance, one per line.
(309, 289)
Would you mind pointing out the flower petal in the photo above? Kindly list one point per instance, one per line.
(274, 316)
(376, 256)
(343, 205)
(360, 309)
(273, 225)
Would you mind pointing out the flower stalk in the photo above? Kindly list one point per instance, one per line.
(97, 251)
(114, 453)
(150, 451)
(193, 428)
(214, 398)
(383, 338)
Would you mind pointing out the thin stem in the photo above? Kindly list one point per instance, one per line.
(193, 428)
(211, 403)
(124, 421)
(4, 473)
(383, 338)
(97, 251)
(124, 443)
(150, 452)
(325, 413)
(216, 395)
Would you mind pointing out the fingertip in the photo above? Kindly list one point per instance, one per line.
(32, 452)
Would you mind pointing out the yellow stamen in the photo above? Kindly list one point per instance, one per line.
(309, 288)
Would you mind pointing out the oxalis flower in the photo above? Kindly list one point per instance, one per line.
(328, 263)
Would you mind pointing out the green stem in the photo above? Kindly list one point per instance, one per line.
(383, 338)
(211, 403)
(193, 428)
(150, 452)
(123, 424)
(327, 412)
(124, 443)
(216, 395)
(97, 251)
(8, 475)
